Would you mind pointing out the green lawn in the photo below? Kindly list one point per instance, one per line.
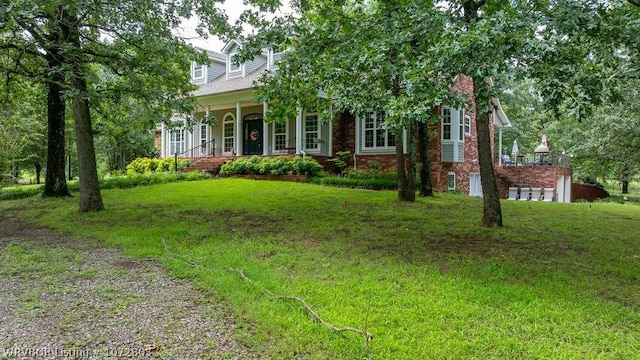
(559, 281)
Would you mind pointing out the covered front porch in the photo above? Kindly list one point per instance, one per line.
(224, 128)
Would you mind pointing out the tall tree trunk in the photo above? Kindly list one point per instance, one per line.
(55, 183)
(406, 173)
(38, 167)
(625, 181)
(426, 188)
(90, 197)
(492, 214)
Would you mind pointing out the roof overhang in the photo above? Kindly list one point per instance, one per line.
(500, 119)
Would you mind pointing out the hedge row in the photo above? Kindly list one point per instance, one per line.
(148, 165)
(279, 165)
(116, 182)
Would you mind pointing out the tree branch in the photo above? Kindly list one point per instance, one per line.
(368, 336)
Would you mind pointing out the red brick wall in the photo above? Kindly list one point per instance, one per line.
(587, 192)
(344, 140)
(440, 171)
(543, 176)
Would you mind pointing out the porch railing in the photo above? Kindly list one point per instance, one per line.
(196, 153)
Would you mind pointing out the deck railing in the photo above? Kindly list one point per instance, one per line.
(551, 159)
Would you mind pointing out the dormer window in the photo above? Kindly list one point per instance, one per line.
(198, 71)
(233, 67)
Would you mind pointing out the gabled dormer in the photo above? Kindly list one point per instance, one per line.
(273, 58)
(234, 70)
(205, 73)
(198, 73)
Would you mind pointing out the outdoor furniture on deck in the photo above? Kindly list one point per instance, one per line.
(548, 194)
(513, 193)
(525, 193)
(535, 194)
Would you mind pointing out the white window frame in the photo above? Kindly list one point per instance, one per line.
(467, 125)
(447, 119)
(232, 69)
(461, 131)
(375, 131)
(176, 141)
(315, 134)
(229, 119)
(197, 68)
(285, 134)
(452, 132)
(451, 175)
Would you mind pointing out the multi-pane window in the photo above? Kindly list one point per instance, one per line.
(375, 135)
(453, 129)
(198, 71)
(451, 181)
(232, 65)
(228, 133)
(467, 125)
(311, 128)
(176, 142)
(446, 124)
(203, 134)
(280, 135)
(203, 139)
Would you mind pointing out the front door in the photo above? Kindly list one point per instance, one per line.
(252, 137)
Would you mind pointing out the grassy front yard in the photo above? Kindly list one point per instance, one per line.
(559, 281)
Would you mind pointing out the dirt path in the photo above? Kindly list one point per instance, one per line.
(63, 298)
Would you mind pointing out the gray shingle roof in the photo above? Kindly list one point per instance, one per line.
(221, 85)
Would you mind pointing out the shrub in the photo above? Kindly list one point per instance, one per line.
(371, 183)
(307, 166)
(147, 165)
(279, 165)
(371, 174)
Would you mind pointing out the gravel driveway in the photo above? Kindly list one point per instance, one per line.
(64, 298)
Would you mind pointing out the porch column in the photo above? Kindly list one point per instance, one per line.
(163, 138)
(500, 146)
(265, 131)
(357, 134)
(330, 139)
(239, 129)
(299, 132)
(185, 144)
(209, 150)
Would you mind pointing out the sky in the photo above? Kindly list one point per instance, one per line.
(233, 8)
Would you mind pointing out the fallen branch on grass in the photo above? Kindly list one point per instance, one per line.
(166, 250)
(367, 335)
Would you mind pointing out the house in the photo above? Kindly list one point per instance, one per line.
(225, 93)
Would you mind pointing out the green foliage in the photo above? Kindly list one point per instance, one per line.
(19, 192)
(424, 278)
(372, 179)
(307, 166)
(279, 165)
(147, 165)
(372, 173)
(340, 161)
(360, 183)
